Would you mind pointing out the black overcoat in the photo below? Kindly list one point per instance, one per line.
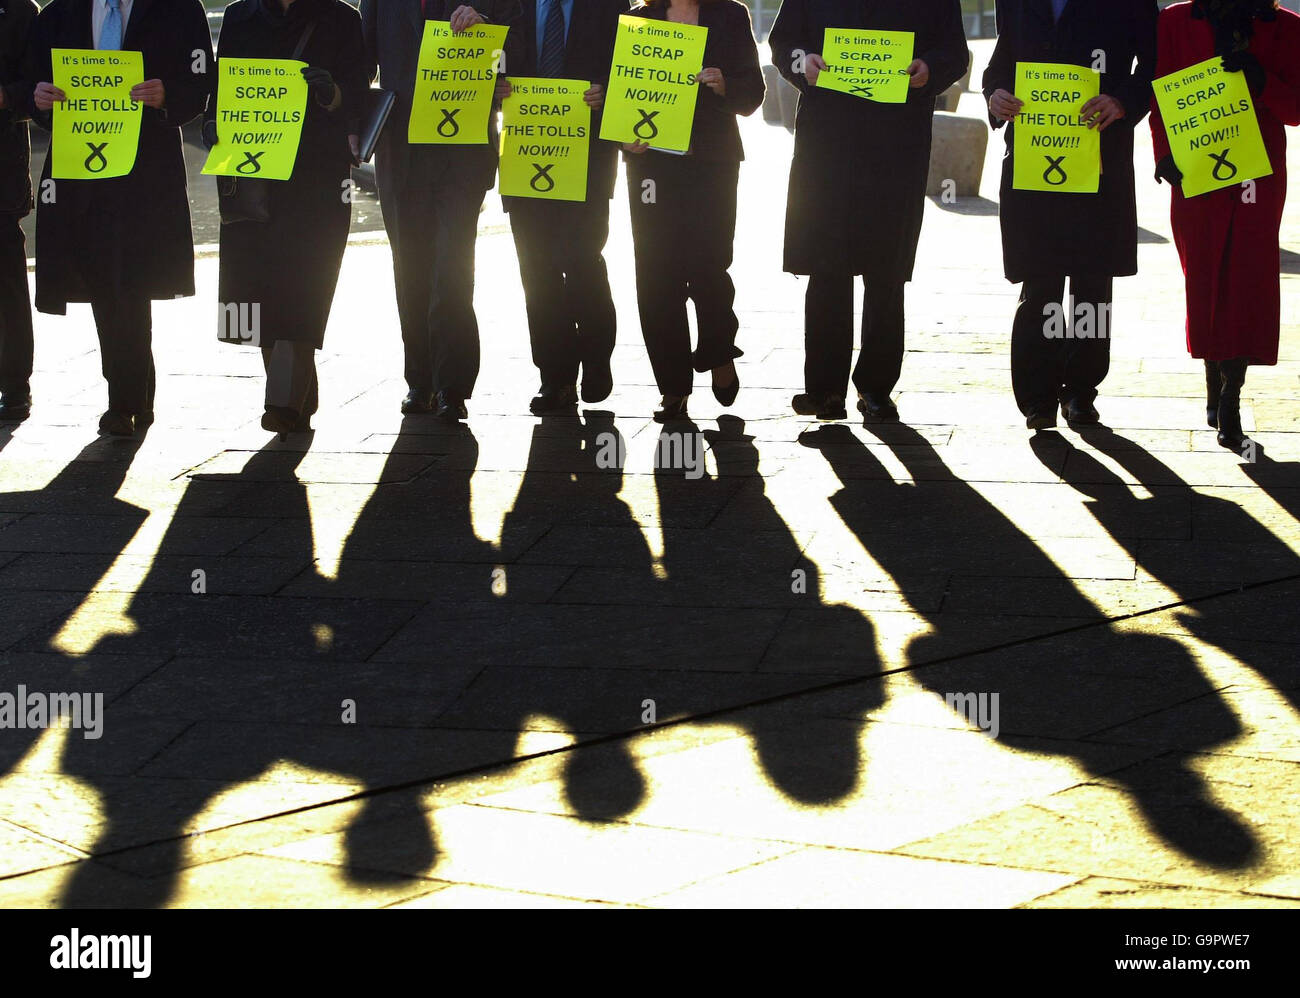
(1046, 233)
(857, 183)
(148, 246)
(16, 17)
(289, 266)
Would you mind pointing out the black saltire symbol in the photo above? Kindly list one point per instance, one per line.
(1054, 166)
(542, 176)
(96, 153)
(861, 88)
(647, 121)
(250, 165)
(1221, 162)
(449, 127)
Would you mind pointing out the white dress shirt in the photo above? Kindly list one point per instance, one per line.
(99, 11)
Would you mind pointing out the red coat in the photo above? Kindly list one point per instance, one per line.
(1229, 250)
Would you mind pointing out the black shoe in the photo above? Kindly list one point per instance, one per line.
(417, 402)
(1233, 378)
(554, 400)
(144, 421)
(1043, 418)
(670, 411)
(726, 394)
(597, 382)
(877, 406)
(1078, 412)
(451, 407)
(278, 419)
(14, 407)
(303, 423)
(1213, 392)
(824, 407)
(117, 424)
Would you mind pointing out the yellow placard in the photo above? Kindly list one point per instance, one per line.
(1213, 132)
(545, 135)
(652, 83)
(1054, 148)
(867, 64)
(260, 107)
(96, 131)
(454, 80)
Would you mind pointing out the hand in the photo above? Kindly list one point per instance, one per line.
(210, 133)
(1246, 62)
(636, 148)
(151, 93)
(712, 78)
(502, 90)
(1004, 105)
(920, 74)
(813, 64)
(320, 84)
(594, 96)
(1101, 112)
(463, 18)
(354, 145)
(1167, 170)
(47, 95)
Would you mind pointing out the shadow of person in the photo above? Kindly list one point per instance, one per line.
(760, 567)
(1056, 692)
(1228, 550)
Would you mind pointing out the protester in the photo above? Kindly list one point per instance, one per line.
(431, 196)
(121, 243)
(16, 17)
(1228, 240)
(288, 266)
(857, 192)
(571, 318)
(1049, 236)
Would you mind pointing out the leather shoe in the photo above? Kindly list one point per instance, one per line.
(417, 402)
(554, 400)
(278, 419)
(451, 407)
(1079, 412)
(597, 382)
(117, 424)
(1041, 419)
(726, 394)
(14, 408)
(824, 407)
(670, 411)
(877, 406)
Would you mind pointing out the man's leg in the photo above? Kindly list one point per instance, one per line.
(452, 323)
(1087, 358)
(408, 219)
(828, 334)
(1036, 356)
(125, 329)
(15, 313)
(538, 233)
(590, 301)
(660, 280)
(880, 361)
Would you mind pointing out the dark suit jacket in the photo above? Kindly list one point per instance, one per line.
(16, 17)
(730, 48)
(588, 52)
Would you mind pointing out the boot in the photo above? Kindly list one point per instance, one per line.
(1233, 377)
(1213, 389)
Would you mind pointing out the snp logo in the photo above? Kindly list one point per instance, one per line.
(93, 952)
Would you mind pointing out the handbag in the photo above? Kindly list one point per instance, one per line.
(248, 199)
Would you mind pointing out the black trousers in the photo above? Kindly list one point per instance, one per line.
(15, 310)
(828, 335)
(683, 227)
(432, 223)
(124, 324)
(571, 318)
(1049, 363)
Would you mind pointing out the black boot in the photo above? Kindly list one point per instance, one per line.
(1213, 389)
(1233, 377)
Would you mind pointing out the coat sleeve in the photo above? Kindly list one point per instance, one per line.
(17, 85)
(1281, 93)
(1166, 63)
(351, 74)
(1135, 90)
(37, 66)
(790, 39)
(1000, 74)
(946, 52)
(511, 14)
(189, 69)
(743, 74)
(370, 36)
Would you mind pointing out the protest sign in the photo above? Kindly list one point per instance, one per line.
(652, 83)
(1213, 133)
(1054, 148)
(260, 107)
(868, 64)
(96, 131)
(545, 135)
(454, 80)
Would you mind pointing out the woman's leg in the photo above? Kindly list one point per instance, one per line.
(709, 284)
(660, 220)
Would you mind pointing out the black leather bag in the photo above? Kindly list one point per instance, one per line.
(248, 199)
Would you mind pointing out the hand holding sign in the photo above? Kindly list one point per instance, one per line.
(919, 72)
(150, 93)
(46, 95)
(1004, 105)
(712, 78)
(813, 65)
(1102, 111)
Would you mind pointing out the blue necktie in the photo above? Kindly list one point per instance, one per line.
(551, 62)
(110, 35)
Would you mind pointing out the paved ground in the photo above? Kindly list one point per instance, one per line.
(420, 670)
